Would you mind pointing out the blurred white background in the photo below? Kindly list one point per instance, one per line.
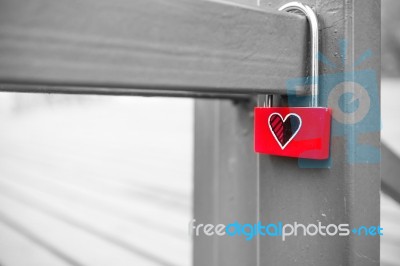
(94, 180)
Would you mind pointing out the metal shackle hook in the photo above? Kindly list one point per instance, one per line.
(313, 22)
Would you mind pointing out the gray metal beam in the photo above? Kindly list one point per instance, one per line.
(183, 47)
(347, 192)
(225, 180)
(62, 89)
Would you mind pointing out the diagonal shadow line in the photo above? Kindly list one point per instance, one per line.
(390, 172)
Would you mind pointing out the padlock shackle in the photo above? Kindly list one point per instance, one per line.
(313, 22)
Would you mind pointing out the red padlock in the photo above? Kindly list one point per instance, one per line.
(302, 132)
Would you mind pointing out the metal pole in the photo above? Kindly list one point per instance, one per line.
(232, 183)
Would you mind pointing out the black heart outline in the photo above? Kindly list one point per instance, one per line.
(283, 120)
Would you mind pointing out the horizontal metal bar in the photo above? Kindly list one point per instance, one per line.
(153, 45)
(29, 88)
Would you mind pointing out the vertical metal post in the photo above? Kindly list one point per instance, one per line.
(225, 180)
(348, 192)
(232, 183)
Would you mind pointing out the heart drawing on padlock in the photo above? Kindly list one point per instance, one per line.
(284, 129)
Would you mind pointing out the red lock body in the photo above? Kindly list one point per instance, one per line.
(302, 132)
